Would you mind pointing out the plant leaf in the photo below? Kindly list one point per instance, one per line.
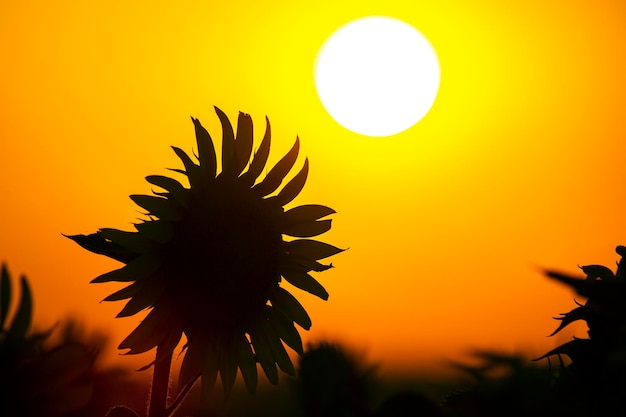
(5, 295)
(21, 321)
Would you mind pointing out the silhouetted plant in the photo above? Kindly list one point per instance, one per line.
(208, 262)
(332, 382)
(34, 380)
(595, 380)
(501, 385)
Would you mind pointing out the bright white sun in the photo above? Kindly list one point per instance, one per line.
(377, 76)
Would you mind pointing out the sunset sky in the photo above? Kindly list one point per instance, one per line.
(520, 164)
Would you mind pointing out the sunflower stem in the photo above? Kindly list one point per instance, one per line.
(160, 384)
(181, 395)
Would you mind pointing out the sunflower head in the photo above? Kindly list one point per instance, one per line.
(208, 260)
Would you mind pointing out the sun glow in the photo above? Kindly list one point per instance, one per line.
(377, 76)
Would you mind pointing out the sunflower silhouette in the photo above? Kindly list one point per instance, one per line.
(208, 261)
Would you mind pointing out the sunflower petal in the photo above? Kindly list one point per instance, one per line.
(308, 229)
(173, 187)
(311, 249)
(243, 141)
(5, 296)
(157, 206)
(285, 329)
(227, 365)
(125, 292)
(229, 164)
(206, 150)
(306, 213)
(209, 372)
(278, 350)
(306, 282)
(264, 354)
(579, 313)
(287, 304)
(146, 297)
(277, 174)
(168, 344)
(293, 187)
(192, 364)
(137, 269)
(247, 363)
(158, 230)
(132, 241)
(97, 244)
(260, 158)
(191, 169)
(149, 333)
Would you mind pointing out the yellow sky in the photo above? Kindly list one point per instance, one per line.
(519, 164)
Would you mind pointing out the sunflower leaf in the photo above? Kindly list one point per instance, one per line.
(287, 304)
(243, 142)
(260, 158)
(206, 150)
(277, 174)
(311, 249)
(306, 282)
(229, 163)
(247, 363)
(293, 187)
(5, 295)
(21, 321)
(139, 268)
(308, 229)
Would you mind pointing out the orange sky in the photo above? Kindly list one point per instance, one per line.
(519, 164)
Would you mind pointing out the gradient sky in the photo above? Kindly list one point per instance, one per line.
(520, 164)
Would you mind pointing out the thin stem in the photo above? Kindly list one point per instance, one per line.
(160, 384)
(181, 395)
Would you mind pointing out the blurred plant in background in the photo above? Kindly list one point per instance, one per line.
(35, 381)
(594, 382)
(208, 262)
